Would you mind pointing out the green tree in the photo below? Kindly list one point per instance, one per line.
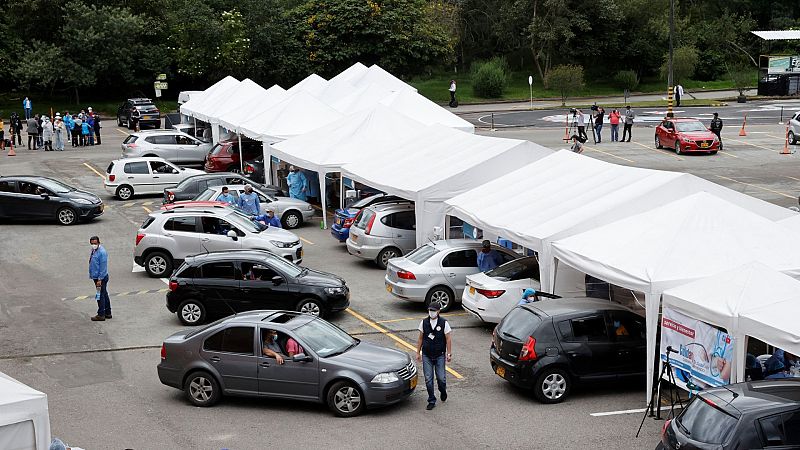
(626, 79)
(553, 30)
(489, 78)
(684, 61)
(566, 79)
(742, 78)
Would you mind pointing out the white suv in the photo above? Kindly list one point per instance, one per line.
(172, 145)
(126, 177)
(794, 128)
(168, 237)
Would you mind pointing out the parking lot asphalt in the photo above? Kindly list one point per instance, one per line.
(101, 380)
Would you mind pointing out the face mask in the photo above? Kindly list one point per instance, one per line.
(94, 246)
(433, 314)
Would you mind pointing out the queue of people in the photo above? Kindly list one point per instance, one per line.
(53, 133)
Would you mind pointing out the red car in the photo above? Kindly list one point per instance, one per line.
(686, 135)
(224, 157)
(193, 204)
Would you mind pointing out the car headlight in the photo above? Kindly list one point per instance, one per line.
(82, 201)
(280, 244)
(386, 377)
(334, 290)
(686, 139)
(309, 208)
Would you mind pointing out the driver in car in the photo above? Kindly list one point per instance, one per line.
(272, 349)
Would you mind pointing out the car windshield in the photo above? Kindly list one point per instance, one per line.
(517, 269)
(56, 187)
(704, 423)
(422, 254)
(242, 213)
(243, 222)
(216, 150)
(688, 127)
(325, 339)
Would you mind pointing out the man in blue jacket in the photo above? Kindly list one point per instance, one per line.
(298, 185)
(269, 219)
(248, 201)
(488, 258)
(98, 272)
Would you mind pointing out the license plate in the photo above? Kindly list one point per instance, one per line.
(148, 117)
(413, 382)
(389, 288)
(471, 290)
(501, 371)
(353, 237)
(704, 144)
(338, 221)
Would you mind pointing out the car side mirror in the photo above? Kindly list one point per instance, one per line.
(232, 234)
(45, 196)
(300, 357)
(277, 280)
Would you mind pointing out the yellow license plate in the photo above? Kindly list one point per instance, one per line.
(389, 288)
(501, 371)
(353, 237)
(471, 290)
(704, 145)
(413, 382)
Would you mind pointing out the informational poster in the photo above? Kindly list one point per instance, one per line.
(703, 354)
(783, 64)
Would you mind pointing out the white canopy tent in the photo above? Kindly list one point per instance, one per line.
(260, 101)
(376, 75)
(360, 99)
(298, 113)
(24, 416)
(355, 71)
(695, 237)
(335, 91)
(346, 140)
(313, 84)
(420, 108)
(722, 299)
(438, 164)
(201, 106)
(776, 324)
(792, 222)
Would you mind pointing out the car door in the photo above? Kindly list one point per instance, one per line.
(9, 200)
(587, 345)
(34, 200)
(164, 175)
(231, 352)
(261, 290)
(166, 146)
(291, 379)
(630, 342)
(220, 284)
(404, 228)
(188, 150)
(215, 237)
(137, 174)
(456, 265)
(184, 232)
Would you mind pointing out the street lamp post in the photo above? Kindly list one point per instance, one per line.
(670, 87)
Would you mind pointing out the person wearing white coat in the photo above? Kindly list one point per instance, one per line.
(47, 134)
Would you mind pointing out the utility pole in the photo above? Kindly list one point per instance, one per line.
(670, 86)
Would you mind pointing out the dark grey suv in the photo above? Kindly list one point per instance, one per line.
(321, 363)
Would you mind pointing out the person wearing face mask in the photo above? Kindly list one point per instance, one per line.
(248, 201)
(434, 347)
(98, 272)
(488, 258)
(269, 219)
(528, 296)
(298, 185)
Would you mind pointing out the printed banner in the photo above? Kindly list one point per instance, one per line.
(783, 64)
(704, 353)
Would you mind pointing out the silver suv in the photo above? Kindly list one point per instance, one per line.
(794, 128)
(382, 232)
(173, 145)
(168, 237)
(437, 271)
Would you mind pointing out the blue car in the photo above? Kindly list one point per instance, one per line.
(343, 218)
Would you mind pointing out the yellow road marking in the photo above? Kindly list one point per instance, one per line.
(147, 203)
(306, 241)
(95, 170)
(128, 205)
(793, 178)
(82, 297)
(606, 153)
(757, 187)
(122, 132)
(396, 338)
(419, 318)
(753, 145)
(147, 209)
(143, 292)
(663, 152)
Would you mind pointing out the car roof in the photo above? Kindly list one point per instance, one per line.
(561, 306)
(275, 318)
(391, 206)
(206, 176)
(468, 243)
(145, 133)
(195, 210)
(228, 254)
(682, 119)
(756, 395)
(139, 159)
(140, 100)
(31, 178)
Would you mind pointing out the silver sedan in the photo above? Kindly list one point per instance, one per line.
(291, 211)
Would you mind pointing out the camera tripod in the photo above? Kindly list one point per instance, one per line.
(674, 397)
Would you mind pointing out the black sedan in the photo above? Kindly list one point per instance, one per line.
(223, 283)
(32, 197)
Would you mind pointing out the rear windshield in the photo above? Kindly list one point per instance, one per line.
(519, 324)
(216, 150)
(147, 222)
(363, 218)
(130, 139)
(422, 254)
(705, 423)
(110, 167)
(518, 269)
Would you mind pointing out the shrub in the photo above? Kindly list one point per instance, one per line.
(566, 79)
(489, 78)
(626, 79)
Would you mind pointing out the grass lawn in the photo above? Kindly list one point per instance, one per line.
(436, 88)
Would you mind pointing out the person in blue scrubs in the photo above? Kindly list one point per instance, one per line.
(298, 184)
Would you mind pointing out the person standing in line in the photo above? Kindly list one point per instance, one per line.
(39, 127)
(3, 134)
(581, 121)
(97, 129)
(98, 272)
(629, 116)
(434, 348)
(613, 119)
(27, 106)
(85, 130)
(59, 132)
(226, 197)
(33, 133)
(68, 125)
(16, 128)
(90, 122)
(453, 102)
(298, 184)
(76, 130)
(716, 128)
(47, 134)
(248, 201)
(598, 122)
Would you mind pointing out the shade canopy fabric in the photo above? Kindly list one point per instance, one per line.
(355, 71)
(792, 222)
(361, 98)
(232, 116)
(298, 113)
(420, 108)
(778, 35)
(775, 324)
(313, 84)
(199, 106)
(377, 75)
(723, 298)
(24, 416)
(233, 99)
(438, 164)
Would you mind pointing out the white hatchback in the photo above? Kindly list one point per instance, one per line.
(130, 176)
(491, 295)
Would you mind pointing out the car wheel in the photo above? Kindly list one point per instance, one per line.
(658, 142)
(677, 148)
(67, 216)
(158, 265)
(311, 306)
(442, 295)
(552, 386)
(792, 138)
(202, 389)
(291, 220)
(124, 192)
(385, 255)
(345, 400)
(192, 312)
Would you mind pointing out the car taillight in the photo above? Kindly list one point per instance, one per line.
(163, 351)
(528, 353)
(170, 197)
(490, 293)
(112, 177)
(406, 275)
(664, 428)
(248, 168)
(348, 223)
(139, 238)
(369, 225)
(131, 145)
(173, 285)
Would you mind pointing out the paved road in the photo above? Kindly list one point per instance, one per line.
(101, 380)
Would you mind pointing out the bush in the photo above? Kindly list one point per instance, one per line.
(684, 62)
(566, 79)
(489, 78)
(626, 79)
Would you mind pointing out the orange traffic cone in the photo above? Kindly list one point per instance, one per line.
(744, 122)
(11, 151)
(566, 128)
(785, 150)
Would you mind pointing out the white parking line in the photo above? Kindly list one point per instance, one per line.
(628, 411)
(165, 280)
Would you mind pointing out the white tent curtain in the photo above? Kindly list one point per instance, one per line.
(24, 416)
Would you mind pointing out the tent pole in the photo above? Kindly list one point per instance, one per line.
(555, 274)
(241, 158)
(446, 226)
(324, 201)
(341, 190)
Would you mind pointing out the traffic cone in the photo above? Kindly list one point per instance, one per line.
(744, 122)
(566, 128)
(11, 151)
(785, 150)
